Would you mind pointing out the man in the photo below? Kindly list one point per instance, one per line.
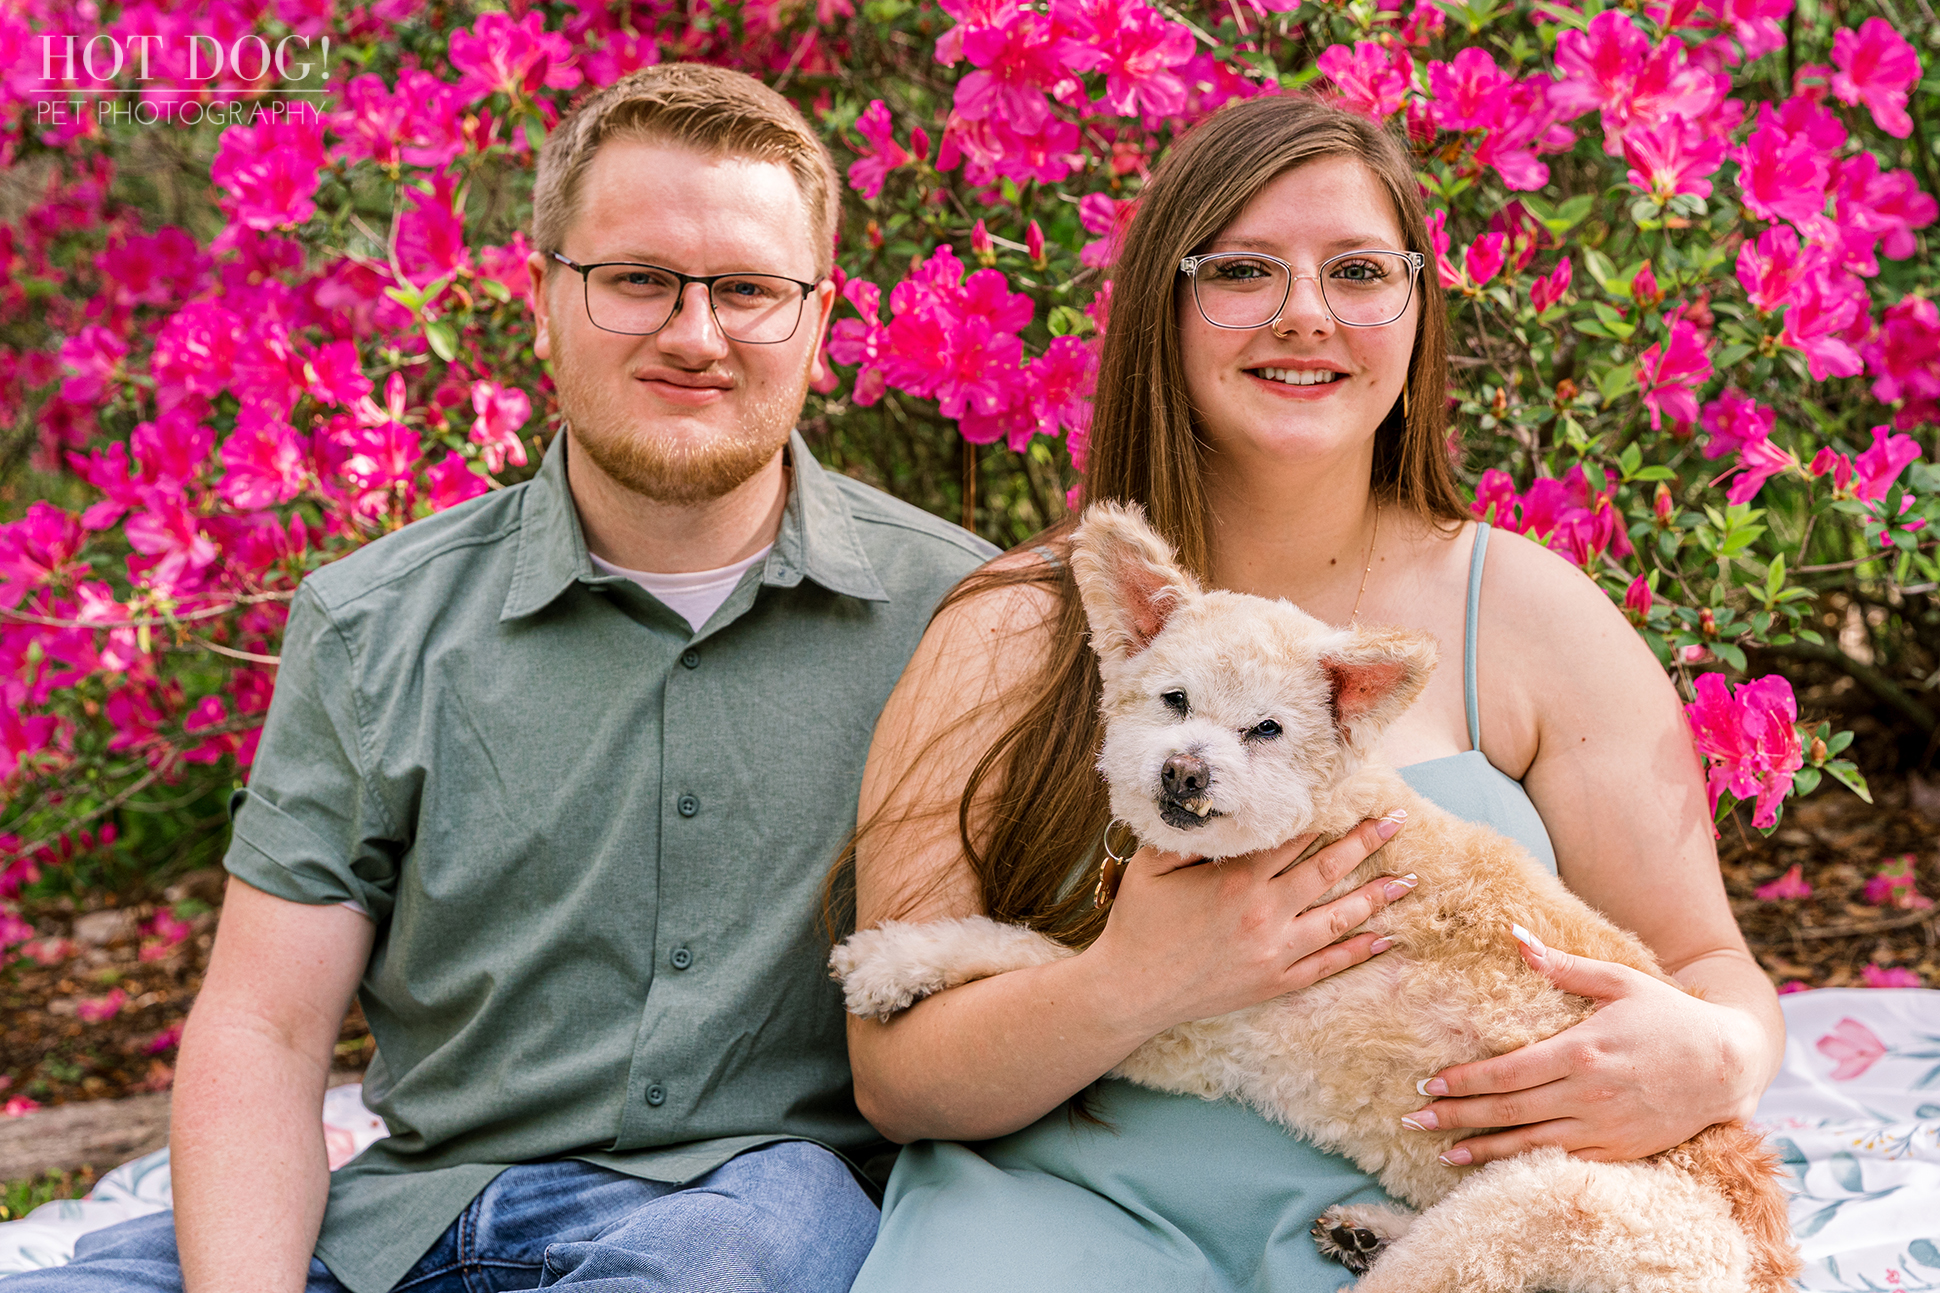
(562, 822)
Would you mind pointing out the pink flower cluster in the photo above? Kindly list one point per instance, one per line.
(1575, 516)
(1749, 738)
(954, 339)
(1896, 885)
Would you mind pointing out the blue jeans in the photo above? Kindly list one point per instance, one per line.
(785, 1218)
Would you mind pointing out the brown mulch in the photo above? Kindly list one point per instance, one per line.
(1839, 842)
(49, 1054)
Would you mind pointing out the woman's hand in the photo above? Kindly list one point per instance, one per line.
(1650, 1069)
(1189, 939)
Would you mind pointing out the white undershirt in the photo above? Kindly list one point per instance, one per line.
(694, 597)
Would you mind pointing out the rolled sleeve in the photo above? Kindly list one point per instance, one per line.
(310, 827)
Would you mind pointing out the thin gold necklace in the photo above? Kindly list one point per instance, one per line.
(1352, 616)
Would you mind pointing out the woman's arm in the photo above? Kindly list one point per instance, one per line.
(1183, 941)
(1577, 703)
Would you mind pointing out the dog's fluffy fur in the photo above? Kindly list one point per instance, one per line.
(1193, 675)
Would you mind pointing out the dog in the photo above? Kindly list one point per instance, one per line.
(1233, 723)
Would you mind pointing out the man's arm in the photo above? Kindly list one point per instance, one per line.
(246, 1132)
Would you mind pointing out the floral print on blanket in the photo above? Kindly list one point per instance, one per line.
(1855, 1115)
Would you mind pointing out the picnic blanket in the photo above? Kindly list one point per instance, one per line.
(1854, 1114)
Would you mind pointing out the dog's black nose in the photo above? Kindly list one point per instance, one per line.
(1185, 777)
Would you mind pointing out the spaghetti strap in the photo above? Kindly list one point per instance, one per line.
(1471, 701)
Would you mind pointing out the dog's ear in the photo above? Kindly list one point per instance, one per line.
(1129, 578)
(1375, 673)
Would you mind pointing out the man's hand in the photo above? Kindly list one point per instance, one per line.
(246, 1133)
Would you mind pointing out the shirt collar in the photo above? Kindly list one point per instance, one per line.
(817, 541)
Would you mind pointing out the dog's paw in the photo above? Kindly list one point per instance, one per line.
(888, 969)
(1355, 1235)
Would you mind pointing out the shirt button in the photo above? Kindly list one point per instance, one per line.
(692, 659)
(656, 1095)
(681, 958)
(688, 805)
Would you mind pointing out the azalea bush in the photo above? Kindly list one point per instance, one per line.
(260, 313)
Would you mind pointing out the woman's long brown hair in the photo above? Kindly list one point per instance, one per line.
(1033, 813)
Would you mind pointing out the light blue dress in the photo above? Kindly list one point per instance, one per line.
(1175, 1194)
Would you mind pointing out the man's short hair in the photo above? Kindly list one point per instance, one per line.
(709, 109)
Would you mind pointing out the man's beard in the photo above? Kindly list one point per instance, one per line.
(673, 470)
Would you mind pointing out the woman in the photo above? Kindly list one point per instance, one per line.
(1273, 393)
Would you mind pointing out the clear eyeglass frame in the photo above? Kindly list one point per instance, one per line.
(707, 281)
(1189, 266)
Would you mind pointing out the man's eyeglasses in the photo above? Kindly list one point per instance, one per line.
(1244, 289)
(639, 300)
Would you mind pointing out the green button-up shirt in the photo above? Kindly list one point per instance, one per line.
(592, 839)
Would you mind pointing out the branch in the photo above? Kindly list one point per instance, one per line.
(1866, 676)
(1857, 928)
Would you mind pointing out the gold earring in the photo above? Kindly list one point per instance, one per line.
(1404, 403)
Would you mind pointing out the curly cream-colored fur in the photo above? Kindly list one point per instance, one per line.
(1337, 1062)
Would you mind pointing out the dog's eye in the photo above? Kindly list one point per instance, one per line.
(1176, 702)
(1264, 731)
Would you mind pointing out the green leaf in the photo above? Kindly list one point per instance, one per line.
(496, 290)
(1068, 322)
(1730, 654)
(1845, 1170)
(1629, 460)
(1837, 741)
(1813, 636)
(1848, 775)
(1655, 473)
(535, 133)
(1730, 355)
(443, 343)
(1805, 781)
(1775, 575)
(1617, 381)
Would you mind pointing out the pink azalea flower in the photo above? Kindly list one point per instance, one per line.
(1895, 885)
(451, 481)
(514, 57)
(49, 952)
(1755, 24)
(1612, 67)
(1034, 242)
(1831, 308)
(381, 457)
(431, 234)
(1790, 986)
(1438, 240)
(1673, 157)
(1670, 373)
(1774, 270)
(508, 266)
(170, 532)
(94, 1010)
(195, 350)
(37, 549)
(1060, 386)
(1749, 740)
(1483, 258)
(18, 1107)
(1107, 217)
(1018, 60)
(1141, 52)
(1782, 176)
(265, 463)
(1373, 79)
(93, 353)
(1734, 420)
(502, 412)
(1790, 885)
(1877, 66)
(1549, 289)
(159, 269)
(172, 450)
(336, 373)
(1758, 462)
(1898, 976)
(991, 149)
(1637, 600)
(1852, 1047)
(1831, 460)
(1880, 464)
(1904, 357)
(881, 155)
(166, 1040)
(266, 175)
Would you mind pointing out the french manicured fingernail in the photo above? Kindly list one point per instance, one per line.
(1380, 945)
(1424, 1120)
(1393, 822)
(1396, 887)
(1431, 1087)
(1529, 940)
(1457, 1157)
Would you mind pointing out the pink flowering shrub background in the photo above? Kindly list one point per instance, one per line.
(1687, 247)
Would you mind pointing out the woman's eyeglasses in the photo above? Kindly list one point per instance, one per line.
(1245, 289)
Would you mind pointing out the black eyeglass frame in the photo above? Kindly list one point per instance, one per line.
(707, 281)
(1189, 266)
